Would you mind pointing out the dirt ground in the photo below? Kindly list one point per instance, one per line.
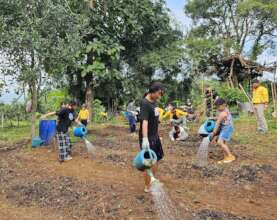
(34, 185)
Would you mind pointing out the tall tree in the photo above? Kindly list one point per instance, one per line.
(223, 27)
(38, 37)
(121, 33)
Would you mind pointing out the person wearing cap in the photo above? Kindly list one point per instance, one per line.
(149, 126)
(83, 115)
(66, 116)
(225, 128)
(260, 101)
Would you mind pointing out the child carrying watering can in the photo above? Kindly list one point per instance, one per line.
(149, 123)
(224, 129)
(66, 116)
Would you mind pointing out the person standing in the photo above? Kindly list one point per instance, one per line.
(132, 116)
(83, 115)
(149, 123)
(66, 116)
(260, 101)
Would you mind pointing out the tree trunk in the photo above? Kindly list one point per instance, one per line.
(34, 109)
(89, 99)
(2, 120)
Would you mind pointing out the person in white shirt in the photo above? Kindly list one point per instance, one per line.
(178, 133)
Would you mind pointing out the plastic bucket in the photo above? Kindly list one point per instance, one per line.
(37, 142)
(144, 158)
(79, 132)
(47, 130)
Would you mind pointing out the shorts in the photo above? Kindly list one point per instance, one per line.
(84, 122)
(226, 133)
(156, 146)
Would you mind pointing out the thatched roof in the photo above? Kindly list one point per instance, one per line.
(245, 64)
(240, 67)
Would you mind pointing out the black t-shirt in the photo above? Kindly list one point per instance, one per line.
(149, 112)
(65, 117)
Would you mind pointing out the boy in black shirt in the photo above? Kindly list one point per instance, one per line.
(66, 116)
(149, 122)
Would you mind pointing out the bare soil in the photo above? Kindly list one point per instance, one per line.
(34, 185)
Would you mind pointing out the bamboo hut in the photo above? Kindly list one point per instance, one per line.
(236, 69)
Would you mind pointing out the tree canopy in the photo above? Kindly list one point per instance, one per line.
(225, 27)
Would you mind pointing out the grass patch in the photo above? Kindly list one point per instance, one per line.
(14, 134)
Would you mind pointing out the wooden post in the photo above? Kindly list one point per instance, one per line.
(203, 96)
(274, 93)
(231, 73)
(212, 104)
(274, 100)
(249, 99)
(2, 120)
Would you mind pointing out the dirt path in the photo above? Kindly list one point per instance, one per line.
(36, 186)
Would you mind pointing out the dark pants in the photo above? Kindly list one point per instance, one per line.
(156, 146)
(84, 122)
(132, 123)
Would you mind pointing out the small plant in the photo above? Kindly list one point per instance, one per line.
(98, 111)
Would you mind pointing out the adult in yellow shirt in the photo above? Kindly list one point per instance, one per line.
(177, 117)
(83, 115)
(174, 113)
(260, 101)
(161, 113)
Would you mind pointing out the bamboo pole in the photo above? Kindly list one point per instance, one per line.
(2, 120)
(203, 96)
(249, 99)
(231, 73)
(212, 104)
(273, 91)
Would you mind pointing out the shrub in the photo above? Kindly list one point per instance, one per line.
(231, 95)
(97, 108)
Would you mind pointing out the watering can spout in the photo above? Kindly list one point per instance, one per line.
(152, 178)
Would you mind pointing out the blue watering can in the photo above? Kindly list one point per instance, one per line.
(209, 125)
(144, 160)
(207, 128)
(80, 131)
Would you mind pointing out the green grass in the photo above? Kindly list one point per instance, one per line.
(14, 134)
(264, 145)
(245, 132)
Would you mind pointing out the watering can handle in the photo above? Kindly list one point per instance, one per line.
(150, 154)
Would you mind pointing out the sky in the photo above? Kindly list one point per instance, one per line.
(177, 11)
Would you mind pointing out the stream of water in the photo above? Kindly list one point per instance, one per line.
(90, 147)
(165, 208)
(202, 153)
